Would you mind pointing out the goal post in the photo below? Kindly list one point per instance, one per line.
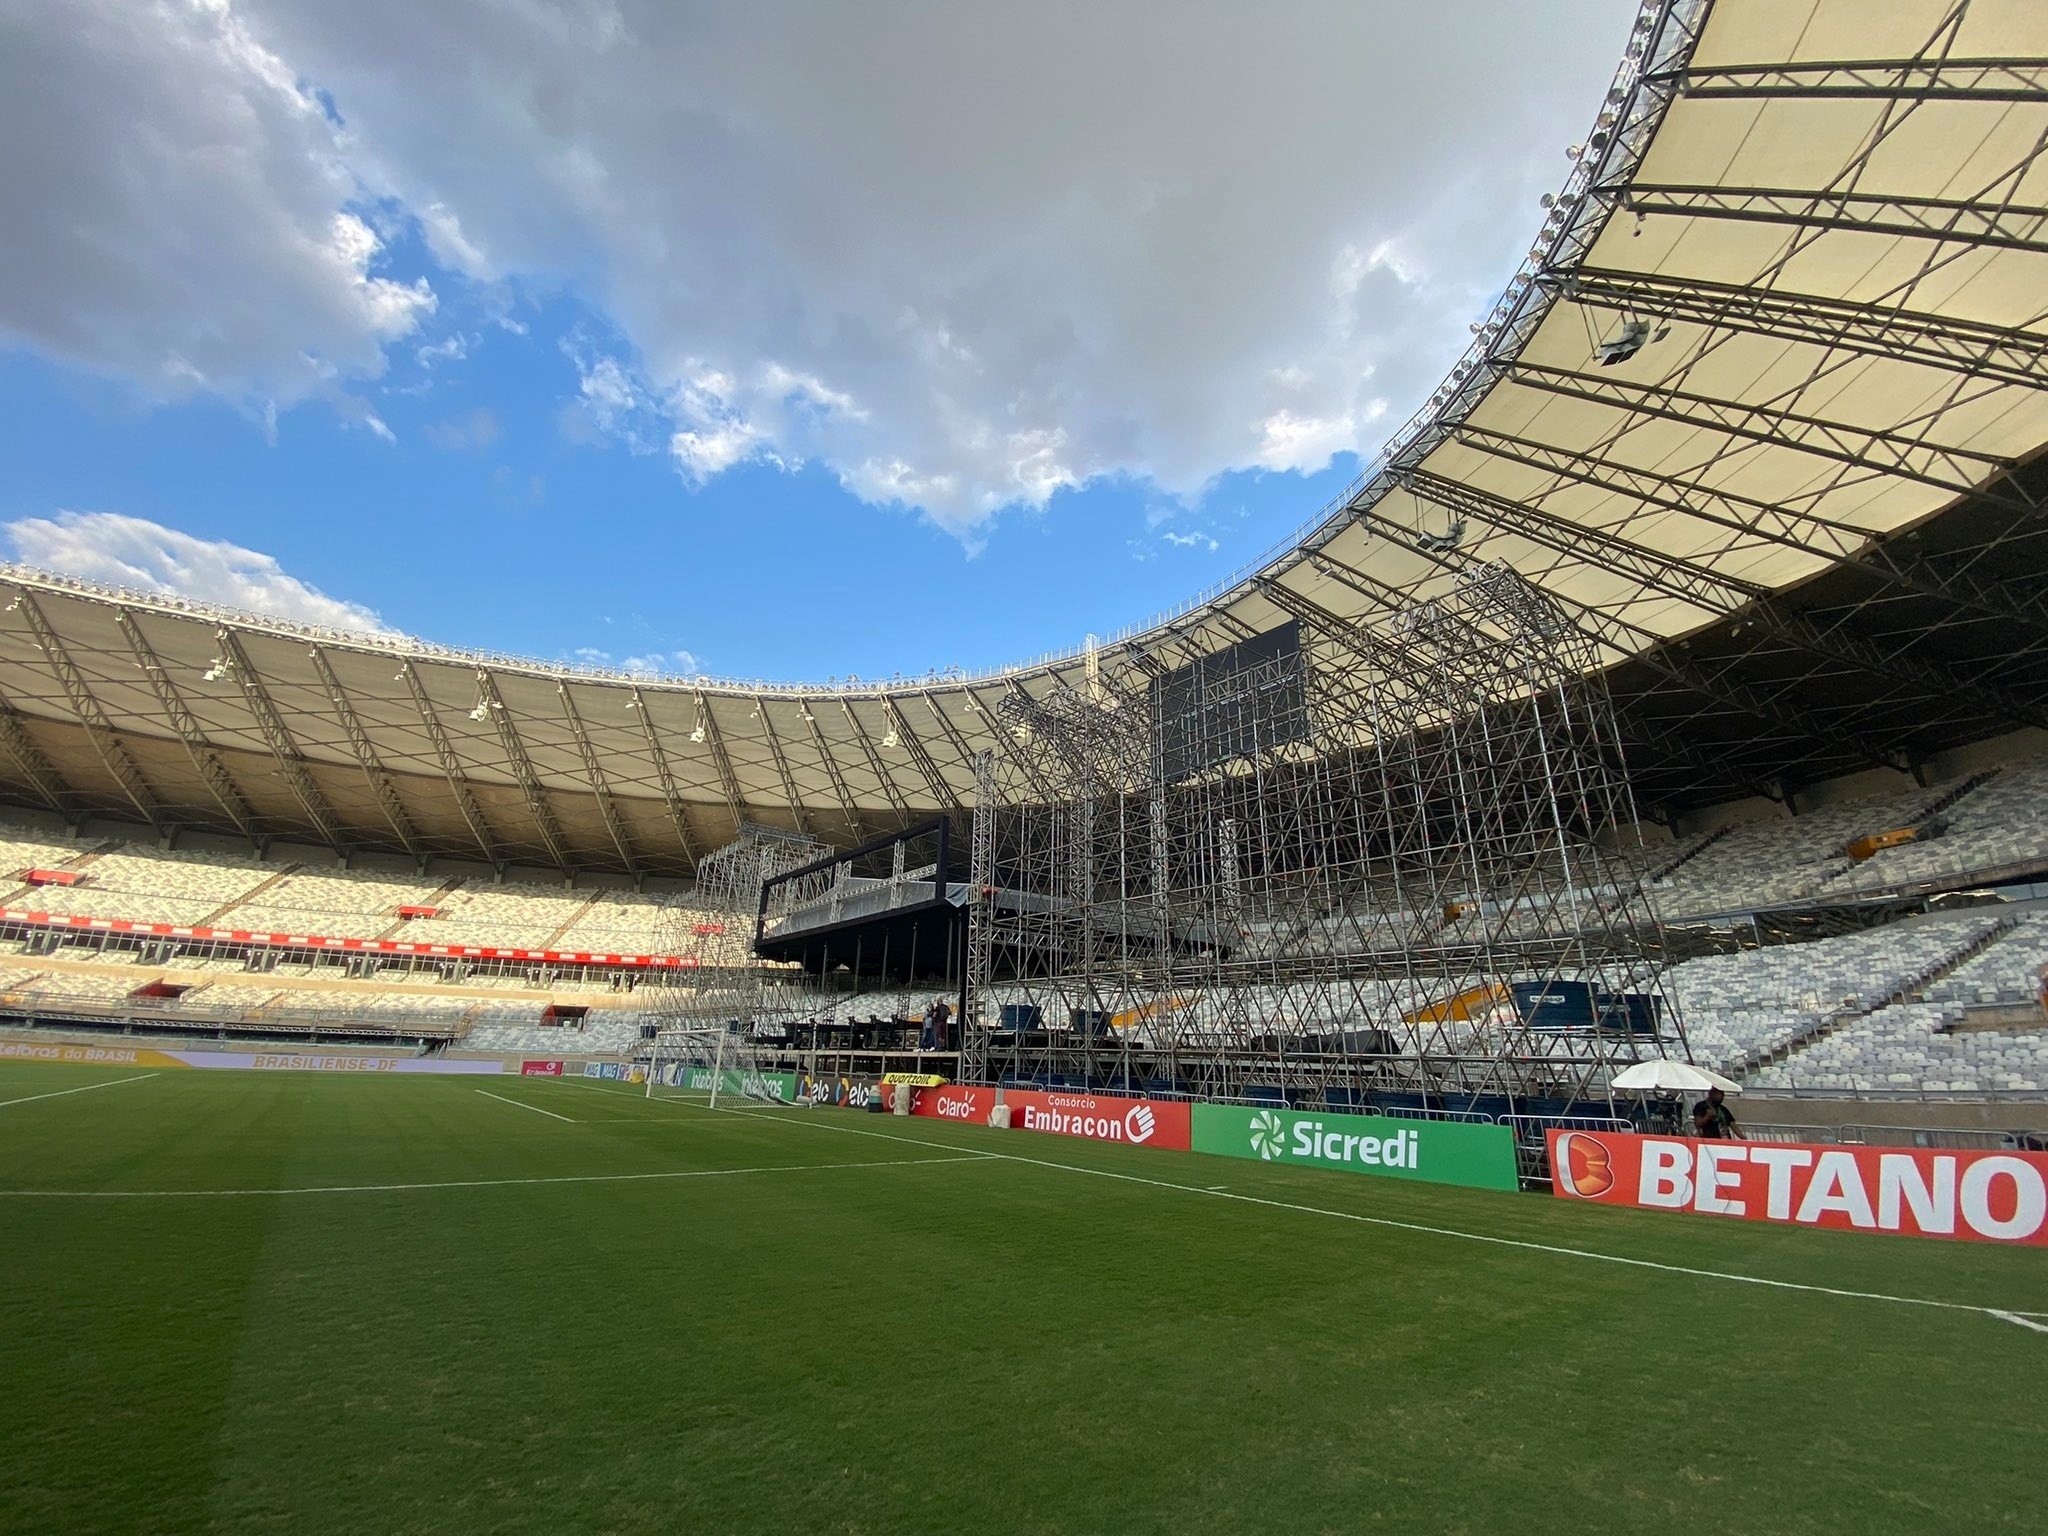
(712, 1065)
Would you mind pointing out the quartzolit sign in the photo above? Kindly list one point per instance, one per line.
(1996, 1197)
(1439, 1151)
(1095, 1117)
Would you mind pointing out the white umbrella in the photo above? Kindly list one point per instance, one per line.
(1671, 1077)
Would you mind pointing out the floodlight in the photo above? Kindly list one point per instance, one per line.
(889, 740)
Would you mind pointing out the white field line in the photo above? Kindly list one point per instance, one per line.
(518, 1104)
(88, 1088)
(363, 1189)
(2008, 1316)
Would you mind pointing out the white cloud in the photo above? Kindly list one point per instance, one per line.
(1192, 541)
(450, 349)
(135, 552)
(476, 428)
(963, 257)
(663, 663)
(178, 207)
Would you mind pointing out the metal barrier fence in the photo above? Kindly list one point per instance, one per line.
(1532, 1151)
(1957, 1137)
(1807, 1133)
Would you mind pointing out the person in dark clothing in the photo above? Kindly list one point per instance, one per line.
(935, 1017)
(1713, 1119)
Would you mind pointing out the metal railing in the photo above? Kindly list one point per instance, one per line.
(1532, 1147)
(1960, 1138)
(1804, 1133)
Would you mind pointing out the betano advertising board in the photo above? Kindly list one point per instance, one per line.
(1996, 1197)
(1436, 1151)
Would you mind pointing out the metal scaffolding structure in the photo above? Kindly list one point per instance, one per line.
(728, 984)
(1328, 862)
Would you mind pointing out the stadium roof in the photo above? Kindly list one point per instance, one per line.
(1761, 410)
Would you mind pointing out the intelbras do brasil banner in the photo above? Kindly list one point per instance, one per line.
(1434, 1151)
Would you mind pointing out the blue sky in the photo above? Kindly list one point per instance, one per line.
(762, 344)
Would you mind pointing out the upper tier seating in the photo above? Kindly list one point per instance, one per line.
(2000, 823)
(137, 883)
(501, 916)
(1735, 1006)
(336, 903)
(599, 1036)
(151, 887)
(1899, 1049)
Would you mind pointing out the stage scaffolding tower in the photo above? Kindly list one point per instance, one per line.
(728, 984)
(1330, 863)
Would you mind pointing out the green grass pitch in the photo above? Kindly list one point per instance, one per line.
(404, 1305)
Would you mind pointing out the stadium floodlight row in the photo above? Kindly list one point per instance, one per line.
(1761, 415)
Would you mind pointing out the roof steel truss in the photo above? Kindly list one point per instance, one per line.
(99, 731)
(522, 769)
(451, 766)
(291, 765)
(678, 815)
(600, 787)
(1926, 79)
(388, 798)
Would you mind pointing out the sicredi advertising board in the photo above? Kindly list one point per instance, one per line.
(1436, 1151)
(1991, 1196)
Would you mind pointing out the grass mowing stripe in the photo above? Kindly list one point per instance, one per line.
(88, 1088)
(518, 1104)
(364, 1189)
(1429, 1230)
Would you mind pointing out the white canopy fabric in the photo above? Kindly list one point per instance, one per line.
(1671, 1077)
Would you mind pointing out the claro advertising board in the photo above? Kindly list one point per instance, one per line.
(950, 1103)
(1993, 1197)
(1436, 1151)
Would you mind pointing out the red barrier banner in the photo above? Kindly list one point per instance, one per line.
(1994, 1197)
(1096, 1117)
(969, 1104)
(540, 1069)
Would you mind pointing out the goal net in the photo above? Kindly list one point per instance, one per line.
(715, 1065)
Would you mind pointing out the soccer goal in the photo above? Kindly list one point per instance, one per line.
(714, 1064)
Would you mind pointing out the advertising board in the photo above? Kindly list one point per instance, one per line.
(847, 1091)
(953, 1103)
(540, 1069)
(1989, 1196)
(1097, 1117)
(1436, 1151)
(781, 1086)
